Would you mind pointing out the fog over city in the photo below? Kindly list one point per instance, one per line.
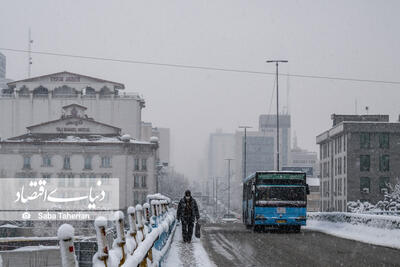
(347, 39)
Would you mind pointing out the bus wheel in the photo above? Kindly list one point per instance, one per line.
(297, 228)
(256, 228)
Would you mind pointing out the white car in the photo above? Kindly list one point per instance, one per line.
(229, 218)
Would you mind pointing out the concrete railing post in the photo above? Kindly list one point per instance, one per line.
(139, 216)
(132, 230)
(146, 212)
(102, 248)
(66, 236)
(120, 242)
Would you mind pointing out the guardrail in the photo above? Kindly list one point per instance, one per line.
(372, 220)
(151, 228)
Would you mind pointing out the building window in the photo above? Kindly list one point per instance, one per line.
(144, 164)
(27, 162)
(384, 184)
(106, 162)
(144, 182)
(67, 163)
(344, 142)
(88, 163)
(92, 179)
(384, 140)
(365, 162)
(46, 161)
(136, 167)
(144, 196)
(82, 179)
(136, 181)
(344, 186)
(384, 163)
(135, 197)
(365, 140)
(344, 164)
(336, 166)
(365, 185)
(46, 175)
(71, 180)
(340, 187)
(105, 177)
(61, 179)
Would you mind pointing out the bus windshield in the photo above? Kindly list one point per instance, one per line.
(281, 193)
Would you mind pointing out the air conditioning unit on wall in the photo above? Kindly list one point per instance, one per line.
(365, 190)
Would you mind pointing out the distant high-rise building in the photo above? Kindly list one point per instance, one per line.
(267, 123)
(2, 66)
(221, 147)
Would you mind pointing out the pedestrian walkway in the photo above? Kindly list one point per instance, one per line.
(187, 254)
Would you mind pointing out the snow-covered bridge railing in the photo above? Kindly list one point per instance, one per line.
(145, 243)
(378, 221)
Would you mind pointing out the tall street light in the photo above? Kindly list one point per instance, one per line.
(229, 183)
(277, 108)
(245, 149)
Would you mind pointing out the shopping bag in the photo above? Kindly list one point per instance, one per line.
(197, 230)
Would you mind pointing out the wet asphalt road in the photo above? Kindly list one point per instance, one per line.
(234, 245)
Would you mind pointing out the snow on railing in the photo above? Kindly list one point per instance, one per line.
(66, 236)
(145, 243)
(371, 220)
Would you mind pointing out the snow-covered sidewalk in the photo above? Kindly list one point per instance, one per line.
(187, 254)
(366, 234)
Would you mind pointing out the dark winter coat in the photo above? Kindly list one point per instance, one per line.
(187, 210)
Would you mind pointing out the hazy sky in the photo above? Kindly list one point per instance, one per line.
(358, 39)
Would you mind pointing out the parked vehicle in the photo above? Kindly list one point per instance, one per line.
(275, 199)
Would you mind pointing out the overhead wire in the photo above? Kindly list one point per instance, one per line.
(199, 67)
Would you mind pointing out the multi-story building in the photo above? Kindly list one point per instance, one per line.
(267, 123)
(40, 99)
(221, 146)
(358, 159)
(3, 80)
(163, 135)
(303, 160)
(76, 146)
(2, 66)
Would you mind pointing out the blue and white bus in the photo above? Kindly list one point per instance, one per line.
(275, 199)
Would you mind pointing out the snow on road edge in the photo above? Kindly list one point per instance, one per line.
(371, 235)
(178, 248)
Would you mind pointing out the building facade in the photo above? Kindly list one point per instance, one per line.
(77, 146)
(40, 99)
(2, 66)
(359, 159)
(267, 123)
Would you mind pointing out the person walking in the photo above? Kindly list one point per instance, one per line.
(187, 213)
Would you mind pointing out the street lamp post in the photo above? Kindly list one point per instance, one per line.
(245, 150)
(277, 108)
(229, 183)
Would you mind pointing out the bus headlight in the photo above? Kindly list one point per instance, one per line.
(260, 217)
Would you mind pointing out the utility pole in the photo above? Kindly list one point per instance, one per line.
(213, 192)
(229, 183)
(216, 195)
(277, 108)
(245, 149)
(30, 41)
